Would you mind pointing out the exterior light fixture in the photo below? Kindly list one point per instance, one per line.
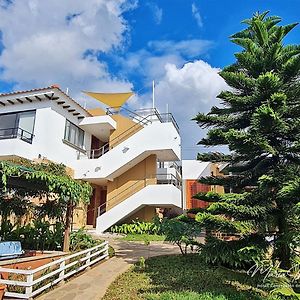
(97, 169)
(84, 174)
(125, 149)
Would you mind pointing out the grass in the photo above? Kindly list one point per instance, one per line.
(143, 237)
(183, 278)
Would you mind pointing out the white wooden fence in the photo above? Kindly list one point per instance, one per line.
(28, 283)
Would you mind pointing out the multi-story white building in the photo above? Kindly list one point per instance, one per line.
(128, 157)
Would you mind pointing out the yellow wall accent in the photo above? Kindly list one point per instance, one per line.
(79, 216)
(140, 175)
(147, 213)
(215, 171)
(124, 125)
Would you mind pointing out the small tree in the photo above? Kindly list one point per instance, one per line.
(181, 231)
(260, 123)
(23, 178)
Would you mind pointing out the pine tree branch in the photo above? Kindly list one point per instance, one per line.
(239, 212)
(223, 224)
(214, 157)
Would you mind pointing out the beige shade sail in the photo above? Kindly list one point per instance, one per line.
(111, 99)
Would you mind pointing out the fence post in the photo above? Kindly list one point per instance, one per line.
(106, 250)
(62, 272)
(88, 261)
(28, 290)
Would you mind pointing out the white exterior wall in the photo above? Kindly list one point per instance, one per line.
(194, 169)
(49, 129)
(161, 139)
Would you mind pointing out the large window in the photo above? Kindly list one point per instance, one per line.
(74, 135)
(17, 125)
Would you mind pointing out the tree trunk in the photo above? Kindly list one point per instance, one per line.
(66, 245)
(282, 244)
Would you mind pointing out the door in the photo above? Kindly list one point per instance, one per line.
(91, 209)
(95, 147)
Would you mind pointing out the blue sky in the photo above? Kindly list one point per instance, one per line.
(121, 45)
(219, 18)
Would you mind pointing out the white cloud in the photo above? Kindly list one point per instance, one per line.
(197, 15)
(56, 41)
(188, 48)
(156, 11)
(150, 63)
(146, 65)
(188, 90)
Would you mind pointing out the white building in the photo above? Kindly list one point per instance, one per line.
(129, 160)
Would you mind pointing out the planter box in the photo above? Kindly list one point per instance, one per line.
(28, 283)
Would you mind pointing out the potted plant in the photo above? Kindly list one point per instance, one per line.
(2, 290)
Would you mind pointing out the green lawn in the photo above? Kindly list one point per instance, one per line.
(183, 278)
(143, 237)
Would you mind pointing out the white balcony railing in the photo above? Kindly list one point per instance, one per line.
(16, 133)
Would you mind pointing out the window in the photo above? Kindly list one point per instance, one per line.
(161, 164)
(17, 125)
(74, 135)
(26, 123)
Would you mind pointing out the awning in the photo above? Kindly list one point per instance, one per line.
(111, 99)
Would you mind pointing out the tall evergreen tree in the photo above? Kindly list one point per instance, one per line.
(259, 120)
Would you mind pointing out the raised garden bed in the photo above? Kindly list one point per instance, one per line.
(29, 276)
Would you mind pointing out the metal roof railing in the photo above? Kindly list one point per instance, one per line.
(141, 120)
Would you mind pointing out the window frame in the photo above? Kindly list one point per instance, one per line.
(16, 127)
(67, 141)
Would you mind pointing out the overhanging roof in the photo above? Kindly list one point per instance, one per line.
(52, 93)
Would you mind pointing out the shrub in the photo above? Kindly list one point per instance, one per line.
(136, 227)
(181, 231)
(141, 264)
(285, 284)
(195, 210)
(81, 240)
(111, 251)
(40, 235)
(239, 254)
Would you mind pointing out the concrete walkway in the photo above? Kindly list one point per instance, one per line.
(93, 283)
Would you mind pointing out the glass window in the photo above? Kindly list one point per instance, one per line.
(8, 121)
(17, 125)
(8, 124)
(74, 134)
(26, 124)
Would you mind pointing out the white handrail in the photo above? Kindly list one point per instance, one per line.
(58, 268)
